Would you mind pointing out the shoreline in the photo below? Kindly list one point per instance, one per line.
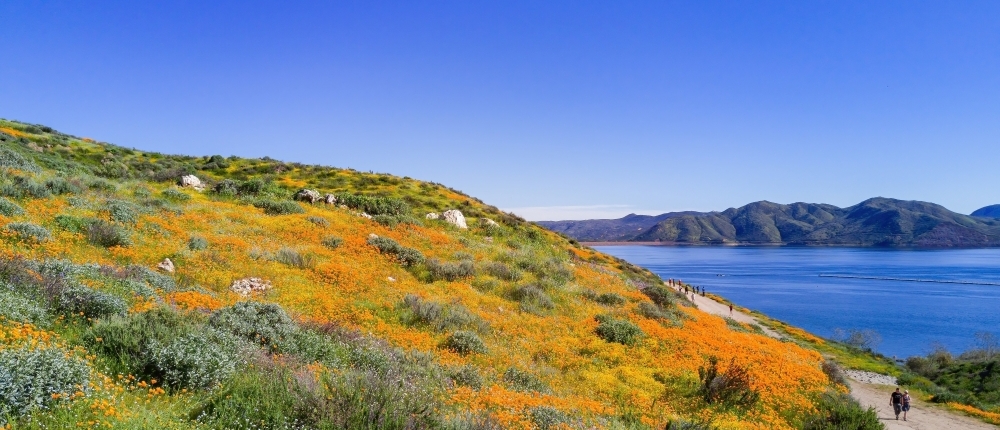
(787, 245)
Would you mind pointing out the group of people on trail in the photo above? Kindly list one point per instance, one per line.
(900, 402)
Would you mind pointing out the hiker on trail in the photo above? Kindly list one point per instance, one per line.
(896, 400)
(906, 403)
(730, 310)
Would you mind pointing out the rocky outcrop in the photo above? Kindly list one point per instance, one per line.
(306, 195)
(432, 215)
(166, 265)
(455, 217)
(247, 286)
(192, 181)
(488, 222)
(330, 199)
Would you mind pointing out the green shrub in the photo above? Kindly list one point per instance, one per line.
(519, 380)
(485, 285)
(293, 258)
(374, 205)
(731, 389)
(660, 295)
(503, 271)
(275, 207)
(682, 424)
(9, 208)
(22, 308)
(441, 317)
(260, 323)
(407, 256)
(320, 221)
(466, 376)
(226, 187)
(450, 271)
(265, 399)
(72, 224)
(76, 299)
(610, 299)
(122, 211)
(128, 340)
(532, 299)
(332, 242)
(32, 378)
(200, 359)
(60, 186)
(547, 417)
(175, 195)
(465, 343)
(14, 160)
(29, 232)
(197, 243)
(103, 233)
(618, 331)
(101, 184)
(839, 411)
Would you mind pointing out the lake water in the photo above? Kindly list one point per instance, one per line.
(786, 283)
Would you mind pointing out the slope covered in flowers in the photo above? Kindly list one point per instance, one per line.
(501, 325)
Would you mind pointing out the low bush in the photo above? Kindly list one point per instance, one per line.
(374, 205)
(610, 299)
(34, 378)
(466, 376)
(442, 317)
(618, 330)
(60, 186)
(485, 285)
(465, 343)
(660, 295)
(17, 306)
(108, 235)
(547, 417)
(503, 271)
(77, 299)
(72, 224)
(122, 211)
(9, 208)
(175, 195)
(729, 389)
(266, 398)
(834, 372)
(199, 359)
(320, 221)
(126, 341)
(450, 271)
(293, 258)
(276, 207)
(839, 411)
(519, 380)
(407, 256)
(332, 242)
(532, 299)
(682, 424)
(197, 243)
(28, 232)
(265, 324)
(13, 160)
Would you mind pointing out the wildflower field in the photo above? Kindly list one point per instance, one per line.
(370, 314)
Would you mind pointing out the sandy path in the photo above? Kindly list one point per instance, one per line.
(922, 416)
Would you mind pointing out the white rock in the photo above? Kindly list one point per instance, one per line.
(364, 215)
(248, 286)
(489, 222)
(192, 181)
(343, 206)
(432, 215)
(455, 216)
(391, 279)
(166, 265)
(372, 236)
(330, 199)
(306, 195)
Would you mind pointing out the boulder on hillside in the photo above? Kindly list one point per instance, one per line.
(488, 222)
(166, 265)
(455, 216)
(365, 215)
(192, 181)
(432, 215)
(306, 195)
(330, 199)
(248, 286)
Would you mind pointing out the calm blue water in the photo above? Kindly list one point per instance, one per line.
(784, 282)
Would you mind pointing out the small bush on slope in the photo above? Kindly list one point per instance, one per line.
(9, 208)
(108, 235)
(264, 324)
(199, 359)
(465, 343)
(407, 256)
(28, 232)
(839, 411)
(618, 331)
(35, 378)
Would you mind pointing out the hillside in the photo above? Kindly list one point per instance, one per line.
(278, 309)
(991, 211)
(873, 222)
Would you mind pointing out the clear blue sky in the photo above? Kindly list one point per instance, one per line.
(551, 109)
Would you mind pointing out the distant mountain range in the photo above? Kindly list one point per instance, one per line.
(873, 222)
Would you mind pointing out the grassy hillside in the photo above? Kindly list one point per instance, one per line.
(364, 313)
(873, 222)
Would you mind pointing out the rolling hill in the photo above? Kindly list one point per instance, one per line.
(145, 290)
(991, 211)
(873, 222)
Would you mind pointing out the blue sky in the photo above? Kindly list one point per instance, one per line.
(555, 110)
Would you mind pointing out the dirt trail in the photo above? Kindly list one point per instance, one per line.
(922, 416)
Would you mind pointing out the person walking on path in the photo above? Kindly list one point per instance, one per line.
(730, 310)
(906, 403)
(896, 400)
